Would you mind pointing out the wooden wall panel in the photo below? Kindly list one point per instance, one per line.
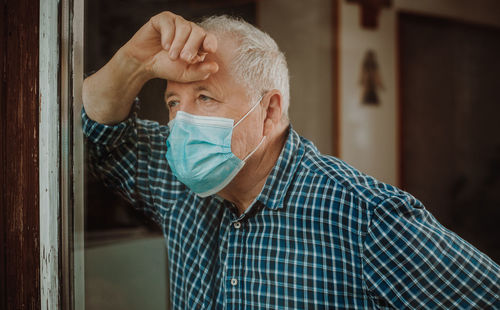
(19, 112)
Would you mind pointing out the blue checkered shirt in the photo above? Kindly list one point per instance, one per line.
(320, 235)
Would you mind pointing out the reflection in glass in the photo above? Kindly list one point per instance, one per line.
(125, 253)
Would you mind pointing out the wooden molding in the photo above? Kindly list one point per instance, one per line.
(19, 195)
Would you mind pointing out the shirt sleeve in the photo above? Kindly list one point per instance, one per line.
(129, 157)
(411, 261)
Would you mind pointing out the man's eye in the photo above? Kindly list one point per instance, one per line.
(204, 98)
(172, 103)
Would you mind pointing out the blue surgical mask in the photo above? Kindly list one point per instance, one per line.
(199, 151)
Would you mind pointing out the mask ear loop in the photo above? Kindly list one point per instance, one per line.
(244, 116)
(250, 111)
(255, 149)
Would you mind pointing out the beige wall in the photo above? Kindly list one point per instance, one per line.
(368, 134)
(303, 31)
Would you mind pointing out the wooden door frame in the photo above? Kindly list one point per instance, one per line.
(61, 155)
(41, 155)
(19, 195)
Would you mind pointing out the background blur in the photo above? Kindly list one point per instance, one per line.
(403, 90)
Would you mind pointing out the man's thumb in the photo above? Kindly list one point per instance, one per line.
(201, 71)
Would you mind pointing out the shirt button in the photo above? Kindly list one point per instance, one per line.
(234, 281)
(237, 225)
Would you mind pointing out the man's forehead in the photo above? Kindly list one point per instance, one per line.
(226, 46)
(224, 55)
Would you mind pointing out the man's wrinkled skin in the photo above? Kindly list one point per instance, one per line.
(197, 65)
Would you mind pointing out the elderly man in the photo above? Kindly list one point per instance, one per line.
(253, 215)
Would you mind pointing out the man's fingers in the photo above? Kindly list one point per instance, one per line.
(182, 32)
(200, 71)
(167, 33)
(184, 47)
(193, 44)
(183, 39)
(200, 57)
(210, 43)
(163, 23)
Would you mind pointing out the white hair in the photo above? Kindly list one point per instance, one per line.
(258, 63)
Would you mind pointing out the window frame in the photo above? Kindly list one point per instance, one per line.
(61, 155)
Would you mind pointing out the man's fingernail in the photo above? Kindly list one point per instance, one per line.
(186, 56)
(167, 46)
(173, 54)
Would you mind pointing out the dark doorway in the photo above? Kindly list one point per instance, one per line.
(450, 139)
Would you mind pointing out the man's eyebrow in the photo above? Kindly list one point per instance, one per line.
(170, 94)
(213, 91)
(200, 88)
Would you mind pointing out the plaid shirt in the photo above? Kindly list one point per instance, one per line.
(320, 235)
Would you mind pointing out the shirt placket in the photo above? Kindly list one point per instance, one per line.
(232, 267)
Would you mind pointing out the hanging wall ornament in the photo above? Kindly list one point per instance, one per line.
(370, 79)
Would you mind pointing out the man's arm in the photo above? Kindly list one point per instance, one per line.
(129, 158)
(167, 47)
(127, 153)
(412, 262)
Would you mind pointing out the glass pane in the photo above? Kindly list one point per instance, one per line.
(127, 233)
(125, 253)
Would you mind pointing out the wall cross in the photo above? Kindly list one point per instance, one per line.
(370, 10)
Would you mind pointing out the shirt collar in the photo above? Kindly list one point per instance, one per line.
(281, 175)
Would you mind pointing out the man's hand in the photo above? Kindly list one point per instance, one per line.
(167, 47)
(173, 48)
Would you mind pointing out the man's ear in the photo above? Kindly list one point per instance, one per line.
(273, 108)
